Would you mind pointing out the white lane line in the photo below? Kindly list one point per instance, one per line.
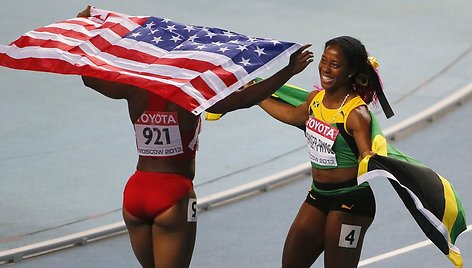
(401, 250)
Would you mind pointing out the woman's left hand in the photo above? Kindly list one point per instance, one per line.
(366, 153)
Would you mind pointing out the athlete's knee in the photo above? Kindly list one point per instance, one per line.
(302, 247)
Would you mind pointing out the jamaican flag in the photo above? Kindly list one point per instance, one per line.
(430, 198)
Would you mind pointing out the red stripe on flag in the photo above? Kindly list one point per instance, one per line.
(86, 24)
(99, 62)
(62, 67)
(101, 43)
(116, 28)
(63, 32)
(27, 41)
(171, 93)
(203, 87)
(227, 77)
(139, 21)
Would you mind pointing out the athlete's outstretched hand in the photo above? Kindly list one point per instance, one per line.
(85, 13)
(300, 59)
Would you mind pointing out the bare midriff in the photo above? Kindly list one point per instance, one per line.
(334, 175)
(185, 167)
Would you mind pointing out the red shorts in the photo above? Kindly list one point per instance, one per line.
(148, 194)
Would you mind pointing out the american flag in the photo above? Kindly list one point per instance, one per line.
(193, 66)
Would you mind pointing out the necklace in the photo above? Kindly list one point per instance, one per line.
(337, 112)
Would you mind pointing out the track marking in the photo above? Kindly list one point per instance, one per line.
(401, 250)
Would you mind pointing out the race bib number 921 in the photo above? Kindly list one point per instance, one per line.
(158, 134)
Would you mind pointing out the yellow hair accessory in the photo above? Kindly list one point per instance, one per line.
(373, 62)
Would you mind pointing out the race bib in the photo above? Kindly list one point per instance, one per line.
(320, 138)
(158, 134)
(349, 236)
(192, 210)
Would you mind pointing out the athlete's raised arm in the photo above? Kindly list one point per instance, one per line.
(257, 92)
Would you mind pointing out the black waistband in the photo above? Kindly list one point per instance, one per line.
(335, 186)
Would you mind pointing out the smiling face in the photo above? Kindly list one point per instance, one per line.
(334, 69)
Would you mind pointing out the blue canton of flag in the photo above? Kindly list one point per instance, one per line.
(247, 52)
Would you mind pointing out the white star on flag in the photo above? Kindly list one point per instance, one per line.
(228, 34)
(223, 49)
(189, 28)
(245, 62)
(170, 28)
(192, 38)
(201, 47)
(153, 31)
(176, 38)
(149, 25)
(210, 34)
(135, 35)
(259, 51)
(242, 47)
(157, 39)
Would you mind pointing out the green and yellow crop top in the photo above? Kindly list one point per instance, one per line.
(330, 145)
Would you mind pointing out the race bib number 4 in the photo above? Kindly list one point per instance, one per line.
(320, 138)
(349, 236)
(158, 134)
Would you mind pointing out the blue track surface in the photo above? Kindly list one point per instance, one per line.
(66, 152)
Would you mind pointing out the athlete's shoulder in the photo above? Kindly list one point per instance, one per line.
(312, 95)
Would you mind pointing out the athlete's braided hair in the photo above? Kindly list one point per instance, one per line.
(365, 79)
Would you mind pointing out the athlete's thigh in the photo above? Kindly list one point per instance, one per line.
(140, 234)
(174, 234)
(344, 236)
(305, 239)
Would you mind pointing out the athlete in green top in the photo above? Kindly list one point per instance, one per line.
(337, 212)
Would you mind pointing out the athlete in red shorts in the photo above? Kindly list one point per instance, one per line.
(159, 204)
